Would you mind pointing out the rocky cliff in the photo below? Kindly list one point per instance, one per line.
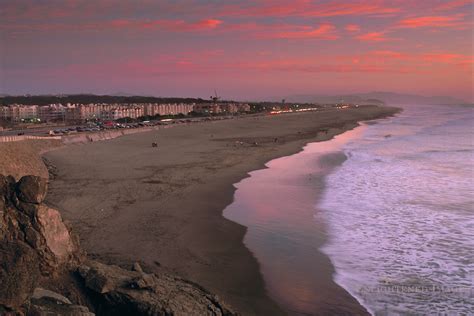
(40, 256)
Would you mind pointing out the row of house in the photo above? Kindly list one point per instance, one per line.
(216, 108)
(83, 112)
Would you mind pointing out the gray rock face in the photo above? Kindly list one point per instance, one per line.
(34, 242)
(124, 292)
(40, 293)
(48, 303)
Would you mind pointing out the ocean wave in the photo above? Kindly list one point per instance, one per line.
(401, 221)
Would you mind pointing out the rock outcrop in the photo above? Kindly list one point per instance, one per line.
(34, 241)
(123, 292)
(36, 248)
(47, 303)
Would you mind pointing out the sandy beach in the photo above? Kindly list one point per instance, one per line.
(163, 206)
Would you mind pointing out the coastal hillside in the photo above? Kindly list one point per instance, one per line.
(388, 98)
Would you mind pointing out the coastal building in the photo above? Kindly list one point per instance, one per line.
(153, 109)
(52, 113)
(72, 113)
(205, 108)
(90, 111)
(122, 112)
(4, 113)
(17, 112)
(229, 108)
(96, 111)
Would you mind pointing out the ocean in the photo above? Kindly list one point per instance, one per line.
(390, 204)
(400, 212)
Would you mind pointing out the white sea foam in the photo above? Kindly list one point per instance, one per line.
(400, 214)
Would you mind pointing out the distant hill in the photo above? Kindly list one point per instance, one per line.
(308, 98)
(411, 99)
(374, 98)
(122, 94)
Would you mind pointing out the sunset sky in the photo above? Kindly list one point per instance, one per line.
(243, 49)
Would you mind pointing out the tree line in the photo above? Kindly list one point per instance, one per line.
(91, 98)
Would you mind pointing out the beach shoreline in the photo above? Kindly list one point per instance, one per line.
(284, 232)
(163, 207)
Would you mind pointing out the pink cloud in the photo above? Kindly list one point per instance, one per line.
(427, 60)
(305, 8)
(364, 8)
(168, 25)
(324, 31)
(120, 24)
(432, 21)
(450, 5)
(209, 23)
(388, 53)
(352, 28)
(449, 58)
(373, 37)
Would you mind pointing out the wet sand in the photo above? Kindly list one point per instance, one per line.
(163, 206)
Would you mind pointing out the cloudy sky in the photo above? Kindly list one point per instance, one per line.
(243, 49)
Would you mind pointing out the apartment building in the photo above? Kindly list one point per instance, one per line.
(123, 111)
(84, 112)
(17, 112)
(230, 108)
(152, 109)
(52, 112)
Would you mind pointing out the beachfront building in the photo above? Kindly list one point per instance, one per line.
(90, 111)
(153, 109)
(214, 108)
(235, 107)
(210, 108)
(18, 112)
(52, 113)
(123, 111)
(4, 113)
(96, 111)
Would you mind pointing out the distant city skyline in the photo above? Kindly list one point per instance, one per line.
(244, 49)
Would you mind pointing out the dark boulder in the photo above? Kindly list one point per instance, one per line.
(124, 292)
(31, 189)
